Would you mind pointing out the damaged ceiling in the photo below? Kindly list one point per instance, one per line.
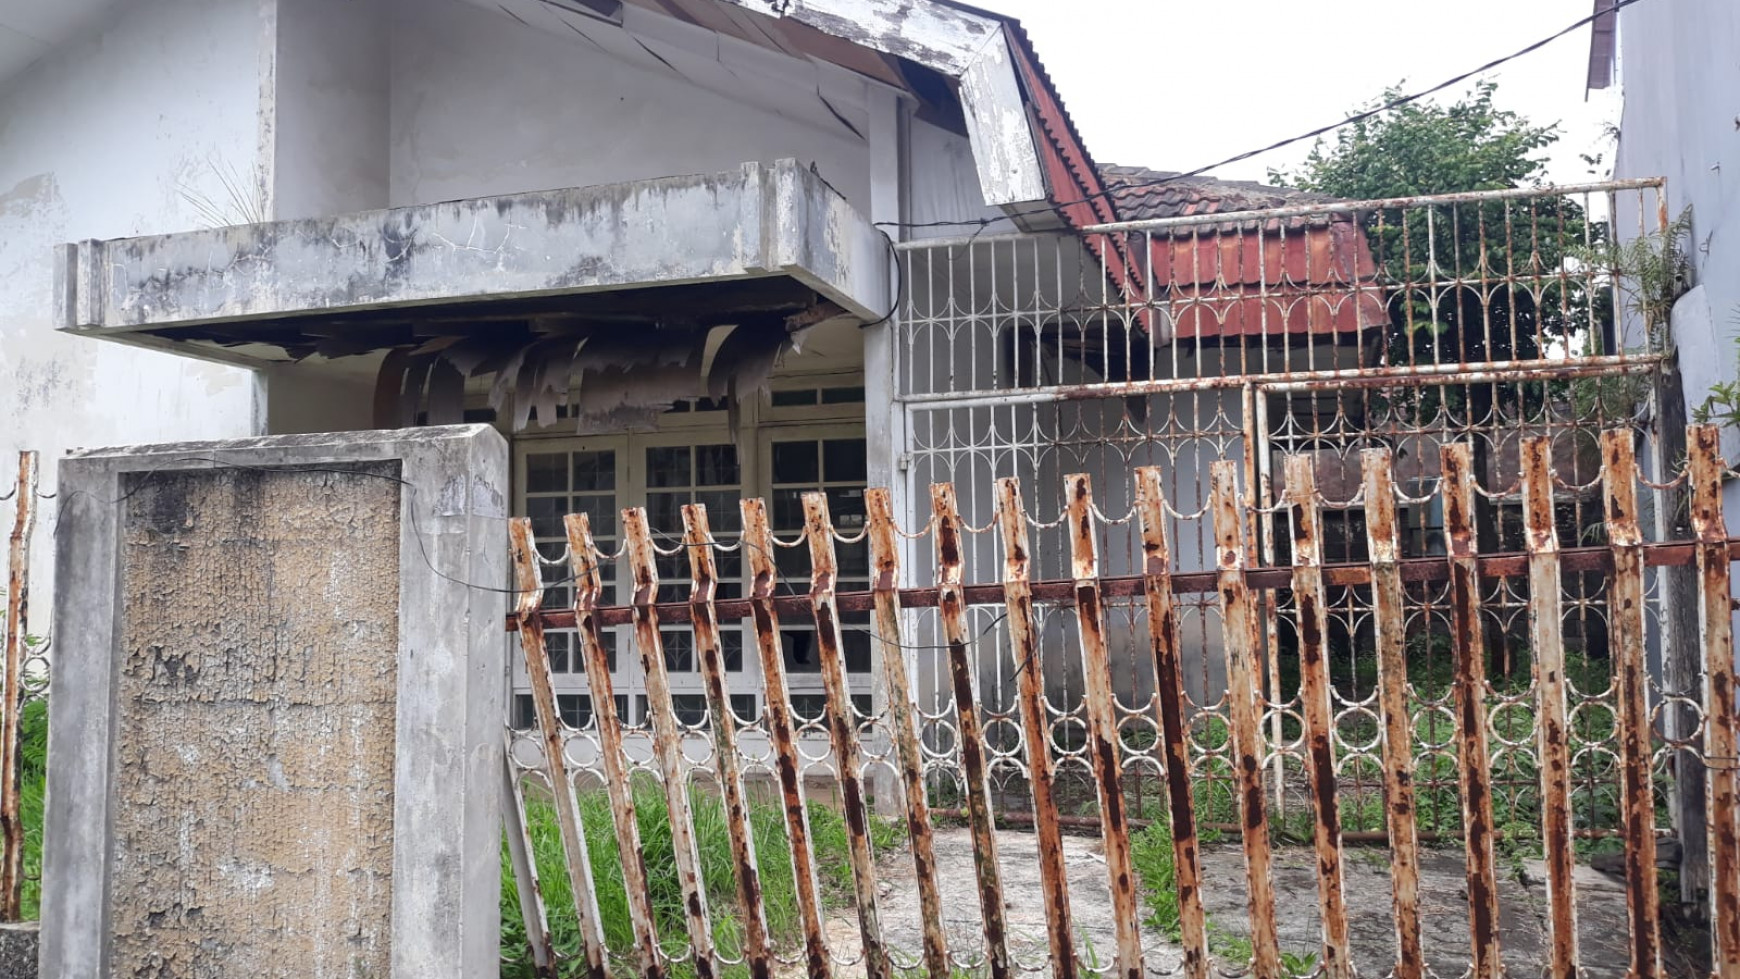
(601, 362)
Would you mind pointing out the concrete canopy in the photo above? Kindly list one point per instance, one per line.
(778, 226)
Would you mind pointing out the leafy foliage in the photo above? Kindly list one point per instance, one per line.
(1508, 301)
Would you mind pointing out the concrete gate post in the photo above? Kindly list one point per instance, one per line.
(275, 742)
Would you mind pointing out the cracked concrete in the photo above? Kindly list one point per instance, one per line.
(1522, 908)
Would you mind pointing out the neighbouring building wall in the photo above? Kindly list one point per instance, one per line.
(140, 127)
(483, 105)
(1682, 121)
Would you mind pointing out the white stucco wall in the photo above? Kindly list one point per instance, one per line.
(108, 137)
(1682, 121)
(483, 105)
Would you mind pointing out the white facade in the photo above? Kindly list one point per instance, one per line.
(160, 117)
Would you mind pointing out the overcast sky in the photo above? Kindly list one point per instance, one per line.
(1177, 84)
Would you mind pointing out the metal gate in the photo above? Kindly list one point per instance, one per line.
(1389, 572)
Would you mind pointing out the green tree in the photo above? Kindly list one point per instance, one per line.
(1469, 282)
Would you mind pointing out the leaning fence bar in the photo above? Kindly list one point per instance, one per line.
(12, 829)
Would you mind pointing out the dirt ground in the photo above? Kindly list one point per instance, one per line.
(1444, 918)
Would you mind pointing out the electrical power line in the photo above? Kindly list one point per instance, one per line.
(1613, 7)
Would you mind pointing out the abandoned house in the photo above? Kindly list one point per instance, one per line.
(689, 251)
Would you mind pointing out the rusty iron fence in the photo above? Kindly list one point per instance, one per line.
(24, 681)
(1464, 701)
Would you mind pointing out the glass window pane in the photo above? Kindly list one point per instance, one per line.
(856, 647)
(546, 513)
(845, 460)
(792, 399)
(846, 508)
(547, 472)
(842, 396)
(730, 571)
(743, 705)
(568, 705)
(723, 514)
(731, 650)
(600, 511)
(664, 511)
(800, 651)
(809, 706)
(862, 703)
(679, 650)
(557, 643)
(796, 462)
(525, 712)
(594, 471)
(788, 510)
(716, 465)
(690, 708)
(667, 465)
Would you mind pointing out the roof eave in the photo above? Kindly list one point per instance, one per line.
(963, 43)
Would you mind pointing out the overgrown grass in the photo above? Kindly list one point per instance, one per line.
(1157, 873)
(33, 779)
(718, 874)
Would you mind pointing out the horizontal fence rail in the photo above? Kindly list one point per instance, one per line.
(1472, 712)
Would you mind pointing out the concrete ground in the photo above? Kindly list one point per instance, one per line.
(1444, 918)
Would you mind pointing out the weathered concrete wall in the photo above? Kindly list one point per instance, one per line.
(116, 134)
(484, 105)
(254, 713)
(1681, 121)
(743, 223)
(275, 750)
(1680, 75)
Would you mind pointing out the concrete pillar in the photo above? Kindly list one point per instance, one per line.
(275, 742)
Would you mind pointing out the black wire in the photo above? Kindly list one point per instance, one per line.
(1613, 7)
(899, 281)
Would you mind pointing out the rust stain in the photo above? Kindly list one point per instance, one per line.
(885, 558)
(1546, 620)
(1474, 768)
(1241, 640)
(974, 764)
(1035, 727)
(1169, 687)
(1722, 721)
(584, 560)
(528, 579)
(758, 542)
(12, 688)
(698, 541)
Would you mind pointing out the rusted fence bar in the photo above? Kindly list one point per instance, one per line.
(843, 729)
(704, 584)
(12, 689)
(1240, 628)
(529, 583)
(764, 579)
(1474, 764)
(1174, 731)
(903, 725)
(974, 764)
(583, 559)
(1721, 725)
(1036, 727)
(1625, 611)
(668, 740)
(1552, 727)
(1315, 697)
(1389, 621)
(1102, 724)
